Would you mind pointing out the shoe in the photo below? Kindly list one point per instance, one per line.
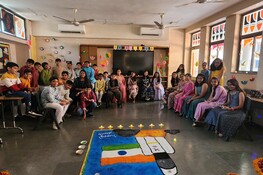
(90, 115)
(54, 126)
(194, 124)
(147, 99)
(220, 135)
(34, 114)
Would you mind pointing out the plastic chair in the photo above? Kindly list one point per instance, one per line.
(47, 112)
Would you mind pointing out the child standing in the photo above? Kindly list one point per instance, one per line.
(133, 87)
(158, 87)
(99, 88)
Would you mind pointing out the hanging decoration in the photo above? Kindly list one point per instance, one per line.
(41, 48)
(244, 82)
(197, 64)
(55, 47)
(29, 44)
(100, 57)
(43, 57)
(164, 62)
(166, 58)
(104, 63)
(135, 48)
(252, 79)
(61, 47)
(83, 52)
(54, 39)
(158, 65)
(55, 52)
(108, 55)
(47, 40)
(92, 58)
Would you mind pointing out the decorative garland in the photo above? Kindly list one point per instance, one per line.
(258, 165)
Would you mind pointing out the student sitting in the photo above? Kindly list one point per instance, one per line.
(64, 91)
(35, 74)
(50, 99)
(191, 102)
(229, 117)
(114, 91)
(146, 87)
(11, 85)
(44, 76)
(88, 100)
(188, 89)
(170, 101)
(64, 78)
(99, 88)
(26, 81)
(216, 98)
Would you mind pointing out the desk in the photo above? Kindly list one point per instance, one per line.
(12, 99)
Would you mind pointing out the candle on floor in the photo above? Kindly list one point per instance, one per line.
(131, 126)
(174, 139)
(151, 125)
(120, 126)
(161, 125)
(110, 127)
(101, 127)
(140, 126)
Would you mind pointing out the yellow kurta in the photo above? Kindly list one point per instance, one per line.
(216, 73)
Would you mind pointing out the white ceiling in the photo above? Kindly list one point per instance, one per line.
(142, 12)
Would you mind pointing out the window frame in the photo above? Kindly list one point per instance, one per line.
(241, 37)
(194, 48)
(215, 42)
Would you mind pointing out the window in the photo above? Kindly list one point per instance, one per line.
(250, 43)
(195, 53)
(217, 42)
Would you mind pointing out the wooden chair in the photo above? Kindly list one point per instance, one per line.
(246, 110)
(47, 112)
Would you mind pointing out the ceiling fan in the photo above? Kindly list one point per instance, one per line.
(201, 2)
(161, 25)
(75, 22)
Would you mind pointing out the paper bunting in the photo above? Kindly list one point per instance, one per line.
(115, 47)
(140, 48)
(135, 48)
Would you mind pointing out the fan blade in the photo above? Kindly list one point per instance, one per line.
(158, 24)
(171, 26)
(84, 21)
(215, 1)
(182, 5)
(62, 19)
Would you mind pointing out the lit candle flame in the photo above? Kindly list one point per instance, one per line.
(110, 127)
(101, 127)
(120, 126)
(151, 125)
(131, 126)
(174, 140)
(140, 125)
(161, 125)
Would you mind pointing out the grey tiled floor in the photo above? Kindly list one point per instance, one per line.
(198, 152)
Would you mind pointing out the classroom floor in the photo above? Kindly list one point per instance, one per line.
(198, 151)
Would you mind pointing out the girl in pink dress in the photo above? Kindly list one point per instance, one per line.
(217, 98)
(188, 89)
(122, 83)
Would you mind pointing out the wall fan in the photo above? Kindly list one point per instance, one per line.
(162, 26)
(75, 21)
(201, 2)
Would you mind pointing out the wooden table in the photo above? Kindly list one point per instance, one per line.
(12, 100)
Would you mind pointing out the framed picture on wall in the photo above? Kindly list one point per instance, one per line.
(4, 56)
(19, 27)
(7, 22)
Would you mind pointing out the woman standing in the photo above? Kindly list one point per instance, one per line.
(217, 70)
(217, 98)
(191, 102)
(132, 86)
(146, 88)
(230, 116)
(180, 70)
(187, 90)
(122, 83)
(158, 87)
